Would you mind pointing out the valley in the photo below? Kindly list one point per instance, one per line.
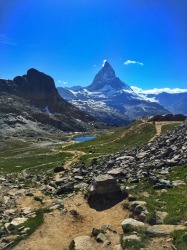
(45, 184)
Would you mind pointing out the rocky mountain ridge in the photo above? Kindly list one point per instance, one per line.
(34, 97)
(116, 95)
(176, 103)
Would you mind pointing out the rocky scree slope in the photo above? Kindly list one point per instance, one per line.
(35, 98)
(152, 161)
(111, 100)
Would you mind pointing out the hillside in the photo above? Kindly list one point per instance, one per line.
(146, 160)
(176, 103)
(30, 104)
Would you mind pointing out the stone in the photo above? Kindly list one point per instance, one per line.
(178, 183)
(58, 169)
(131, 198)
(116, 172)
(141, 155)
(160, 183)
(138, 206)
(101, 238)
(18, 221)
(25, 230)
(26, 210)
(117, 247)
(78, 178)
(163, 230)
(59, 181)
(130, 225)
(9, 211)
(104, 184)
(66, 188)
(160, 216)
(126, 157)
(9, 238)
(127, 238)
(84, 243)
(2, 179)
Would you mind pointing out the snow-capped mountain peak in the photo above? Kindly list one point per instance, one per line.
(107, 77)
(116, 102)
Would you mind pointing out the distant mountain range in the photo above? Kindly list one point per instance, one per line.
(31, 103)
(110, 100)
(175, 103)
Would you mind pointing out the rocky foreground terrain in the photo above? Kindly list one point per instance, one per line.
(106, 182)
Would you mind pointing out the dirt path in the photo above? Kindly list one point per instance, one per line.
(158, 126)
(59, 228)
(76, 155)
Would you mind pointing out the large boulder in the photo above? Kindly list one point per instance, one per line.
(130, 225)
(104, 192)
(104, 184)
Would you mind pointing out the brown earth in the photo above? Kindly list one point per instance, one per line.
(158, 126)
(60, 228)
(160, 243)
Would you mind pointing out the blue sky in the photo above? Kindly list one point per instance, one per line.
(69, 40)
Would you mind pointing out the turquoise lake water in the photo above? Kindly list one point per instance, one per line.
(84, 138)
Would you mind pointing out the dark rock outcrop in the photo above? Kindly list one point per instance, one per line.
(168, 117)
(35, 97)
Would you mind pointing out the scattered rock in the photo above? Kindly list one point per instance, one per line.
(59, 169)
(83, 243)
(101, 238)
(127, 238)
(130, 225)
(66, 188)
(163, 230)
(160, 216)
(178, 183)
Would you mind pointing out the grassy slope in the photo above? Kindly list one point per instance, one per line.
(173, 201)
(17, 155)
(168, 127)
(135, 135)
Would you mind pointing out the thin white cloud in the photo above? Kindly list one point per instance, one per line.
(4, 39)
(157, 91)
(62, 82)
(133, 62)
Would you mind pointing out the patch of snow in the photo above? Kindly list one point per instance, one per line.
(107, 88)
(150, 99)
(104, 61)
